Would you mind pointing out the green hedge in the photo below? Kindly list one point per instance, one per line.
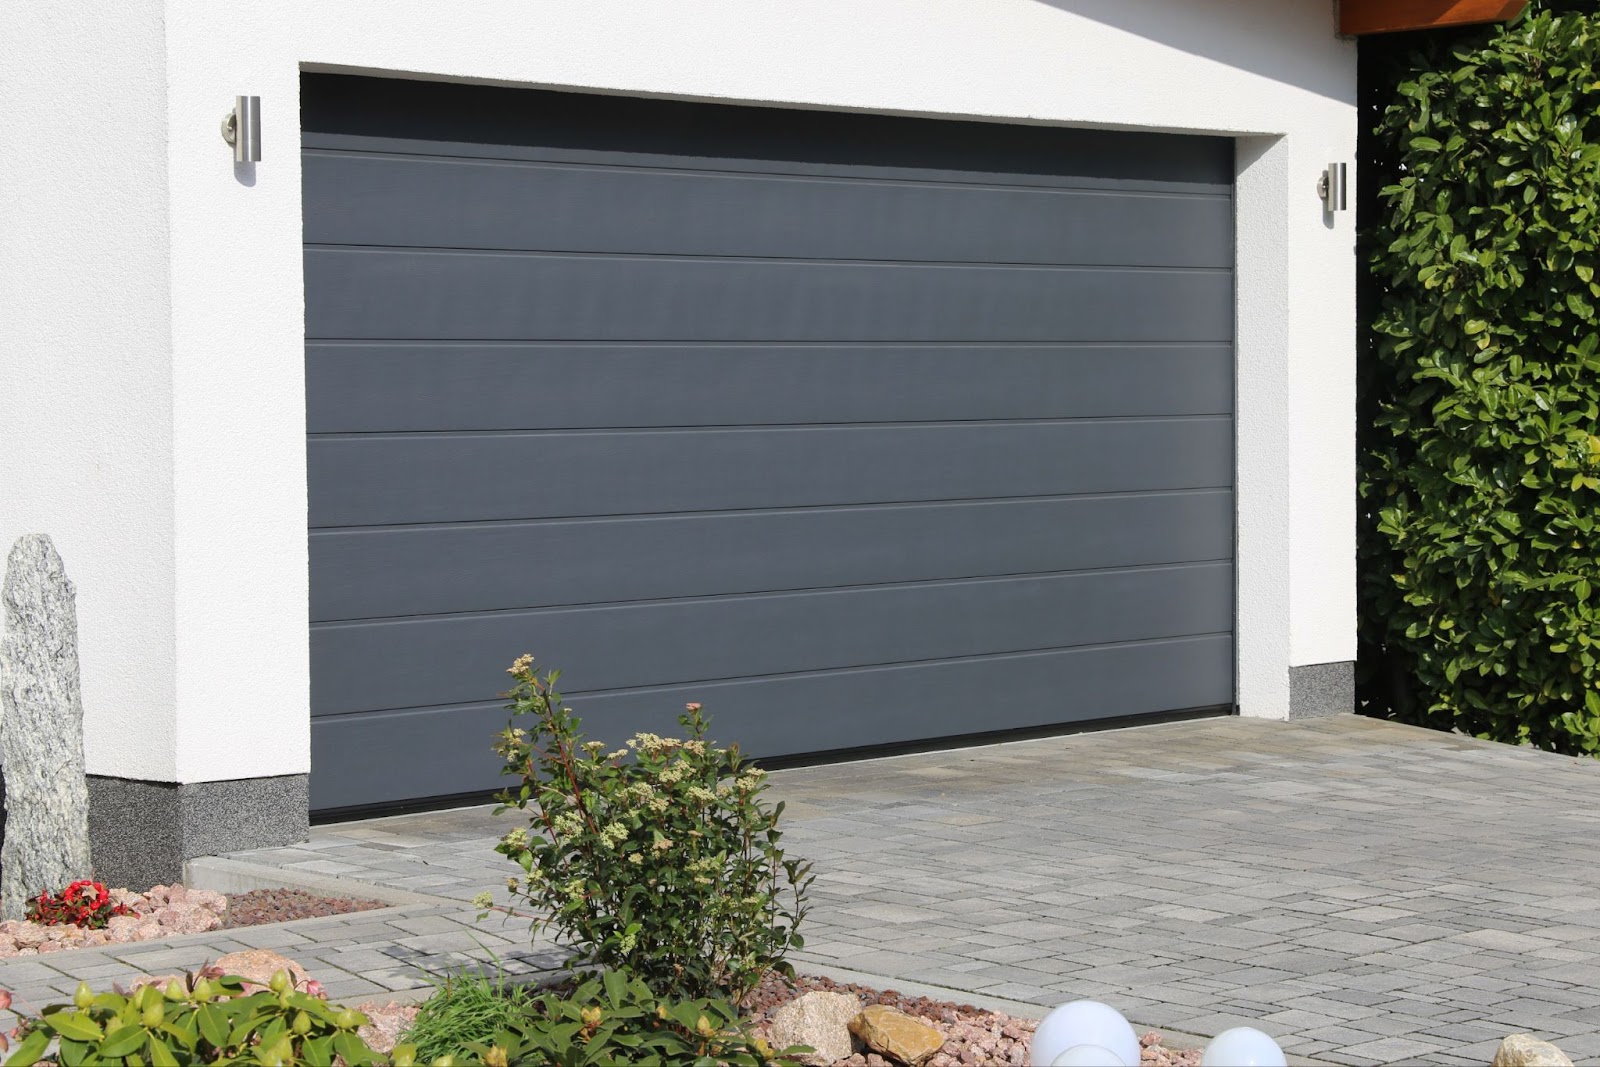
(1480, 461)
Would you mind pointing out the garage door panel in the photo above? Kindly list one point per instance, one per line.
(375, 479)
(447, 295)
(387, 756)
(1210, 177)
(860, 429)
(562, 208)
(455, 658)
(420, 570)
(366, 387)
(370, 114)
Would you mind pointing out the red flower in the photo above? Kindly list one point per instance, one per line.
(85, 903)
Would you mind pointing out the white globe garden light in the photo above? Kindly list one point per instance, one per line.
(1084, 1022)
(1087, 1056)
(1243, 1046)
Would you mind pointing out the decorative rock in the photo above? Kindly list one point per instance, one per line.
(1525, 1050)
(258, 965)
(31, 935)
(159, 980)
(208, 899)
(386, 1023)
(821, 1020)
(41, 732)
(899, 1036)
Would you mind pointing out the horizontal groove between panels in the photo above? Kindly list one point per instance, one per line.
(689, 257)
(823, 672)
(1132, 187)
(760, 594)
(648, 516)
(826, 346)
(832, 342)
(759, 427)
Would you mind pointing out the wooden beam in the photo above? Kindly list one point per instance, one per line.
(1358, 17)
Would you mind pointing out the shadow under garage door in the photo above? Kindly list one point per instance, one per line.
(861, 430)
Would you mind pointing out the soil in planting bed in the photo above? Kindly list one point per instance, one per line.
(260, 906)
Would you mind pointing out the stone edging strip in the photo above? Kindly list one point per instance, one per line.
(238, 876)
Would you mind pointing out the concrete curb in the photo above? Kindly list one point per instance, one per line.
(238, 876)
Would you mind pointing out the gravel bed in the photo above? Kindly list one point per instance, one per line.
(168, 910)
(973, 1036)
(260, 906)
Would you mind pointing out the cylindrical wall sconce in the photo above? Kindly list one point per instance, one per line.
(1332, 188)
(241, 128)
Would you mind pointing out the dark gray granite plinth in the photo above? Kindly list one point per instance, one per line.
(1320, 689)
(142, 832)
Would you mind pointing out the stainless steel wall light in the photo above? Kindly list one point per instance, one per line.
(1332, 187)
(241, 128)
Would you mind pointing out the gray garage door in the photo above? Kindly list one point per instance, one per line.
(861, 430)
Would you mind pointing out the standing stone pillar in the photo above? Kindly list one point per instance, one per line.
(41, 730)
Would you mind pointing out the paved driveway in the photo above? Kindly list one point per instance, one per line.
(1370, 893)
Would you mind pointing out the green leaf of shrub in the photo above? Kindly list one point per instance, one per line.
(122, 1041)
(74, 1025)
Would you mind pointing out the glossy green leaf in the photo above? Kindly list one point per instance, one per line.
(1479, 474)
(75, 1025)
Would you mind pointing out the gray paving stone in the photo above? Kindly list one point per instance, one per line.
(1335, 1036)
(1365, 882)
(1389, 1050)
(281, 936)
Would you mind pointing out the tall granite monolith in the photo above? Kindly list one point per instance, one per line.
(41, 730)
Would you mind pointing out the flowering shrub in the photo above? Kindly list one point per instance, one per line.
(659, 859)
(83, 903)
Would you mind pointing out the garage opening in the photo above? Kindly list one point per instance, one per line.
(860, 430)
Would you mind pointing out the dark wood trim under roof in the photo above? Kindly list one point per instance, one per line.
(1357, 17)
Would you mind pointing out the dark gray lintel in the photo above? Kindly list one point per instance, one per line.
(142, 832)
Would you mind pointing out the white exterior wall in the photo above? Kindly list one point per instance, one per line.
(85, 348)
(229, 589)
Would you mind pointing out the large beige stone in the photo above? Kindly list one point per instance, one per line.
(257, 966)
(897, 1035)
(1525, 1050)
(820, 1020)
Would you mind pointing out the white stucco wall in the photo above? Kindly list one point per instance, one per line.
(232, 500)
(85, 348)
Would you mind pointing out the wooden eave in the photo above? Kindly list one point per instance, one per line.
(1360, 17)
